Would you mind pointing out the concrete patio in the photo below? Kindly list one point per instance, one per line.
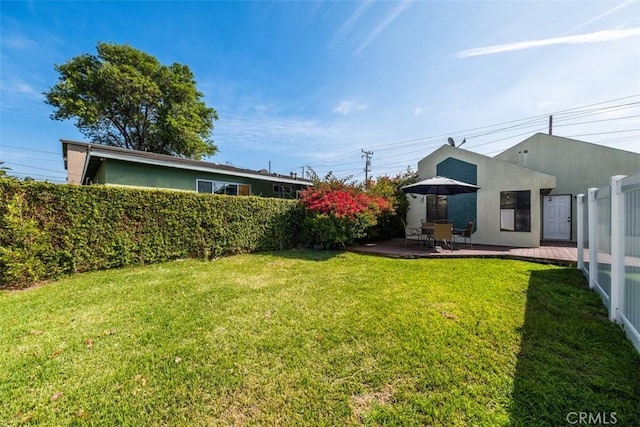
(559, 253)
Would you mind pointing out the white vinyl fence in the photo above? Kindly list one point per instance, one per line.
(609, 248)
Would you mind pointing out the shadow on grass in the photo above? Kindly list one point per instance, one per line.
(574, 366)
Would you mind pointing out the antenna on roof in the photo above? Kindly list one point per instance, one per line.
(463, 141)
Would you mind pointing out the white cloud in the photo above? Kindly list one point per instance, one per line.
(563, 81)
(18, 87)
(603, 15)
(271, 132)
(18, 95)
(18, 42)
(349, 23)
(596, 37)
(400, 7)
(348, 107)
(289, 142)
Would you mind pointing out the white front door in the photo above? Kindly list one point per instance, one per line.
(557, 218)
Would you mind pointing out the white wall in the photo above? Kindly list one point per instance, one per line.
(577, 165)
(494, 176)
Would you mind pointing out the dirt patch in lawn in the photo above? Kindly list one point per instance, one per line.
(363, 403)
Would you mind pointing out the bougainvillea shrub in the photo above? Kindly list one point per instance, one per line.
(338, 213)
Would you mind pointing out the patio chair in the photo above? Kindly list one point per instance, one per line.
(427, 230)
(443, 233)
(465, 233)
(412, 233)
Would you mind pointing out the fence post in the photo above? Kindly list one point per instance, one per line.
(580, 199)
(617, 247)
(592, 211)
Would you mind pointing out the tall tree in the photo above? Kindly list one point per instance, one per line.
(125, 98)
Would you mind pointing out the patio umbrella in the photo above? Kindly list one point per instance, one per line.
(440, 186)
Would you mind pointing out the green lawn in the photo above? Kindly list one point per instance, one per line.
(314, 338)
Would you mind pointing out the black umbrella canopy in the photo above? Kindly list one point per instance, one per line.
(441, 186)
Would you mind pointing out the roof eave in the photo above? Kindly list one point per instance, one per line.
(96, 152)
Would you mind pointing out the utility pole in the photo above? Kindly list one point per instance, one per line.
(550, 125)
(367, 165)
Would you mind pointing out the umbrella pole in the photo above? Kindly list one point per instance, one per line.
(426, 207)
(426, 214)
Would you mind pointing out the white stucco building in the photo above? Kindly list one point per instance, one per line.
(528, 192)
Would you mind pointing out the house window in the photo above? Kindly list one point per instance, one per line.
(436, 208)
(515, 210)
(218, 187)
(204, 186)
(282, 191)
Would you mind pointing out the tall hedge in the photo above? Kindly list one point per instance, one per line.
(47, 230)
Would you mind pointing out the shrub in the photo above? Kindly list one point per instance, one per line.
(47, 230)
(390, 224)
(25, 259)
(337, 213)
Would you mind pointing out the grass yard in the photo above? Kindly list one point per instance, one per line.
(314, 338)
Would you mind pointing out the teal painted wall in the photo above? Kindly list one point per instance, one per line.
(461, 208)
(117, 172)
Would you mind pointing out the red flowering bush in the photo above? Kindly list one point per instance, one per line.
(337, 213)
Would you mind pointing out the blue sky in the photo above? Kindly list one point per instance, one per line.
(313, 83)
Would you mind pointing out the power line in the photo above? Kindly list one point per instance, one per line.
(597, 103)
(485, 144)
(528, 120)
(593, 111)
(34, 167)
(32, 175)
(31, 149)
(534, 121)
(58, 160)
(613, 141)
(604, 133)
(596, 121)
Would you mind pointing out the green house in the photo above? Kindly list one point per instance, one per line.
(88, 164)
